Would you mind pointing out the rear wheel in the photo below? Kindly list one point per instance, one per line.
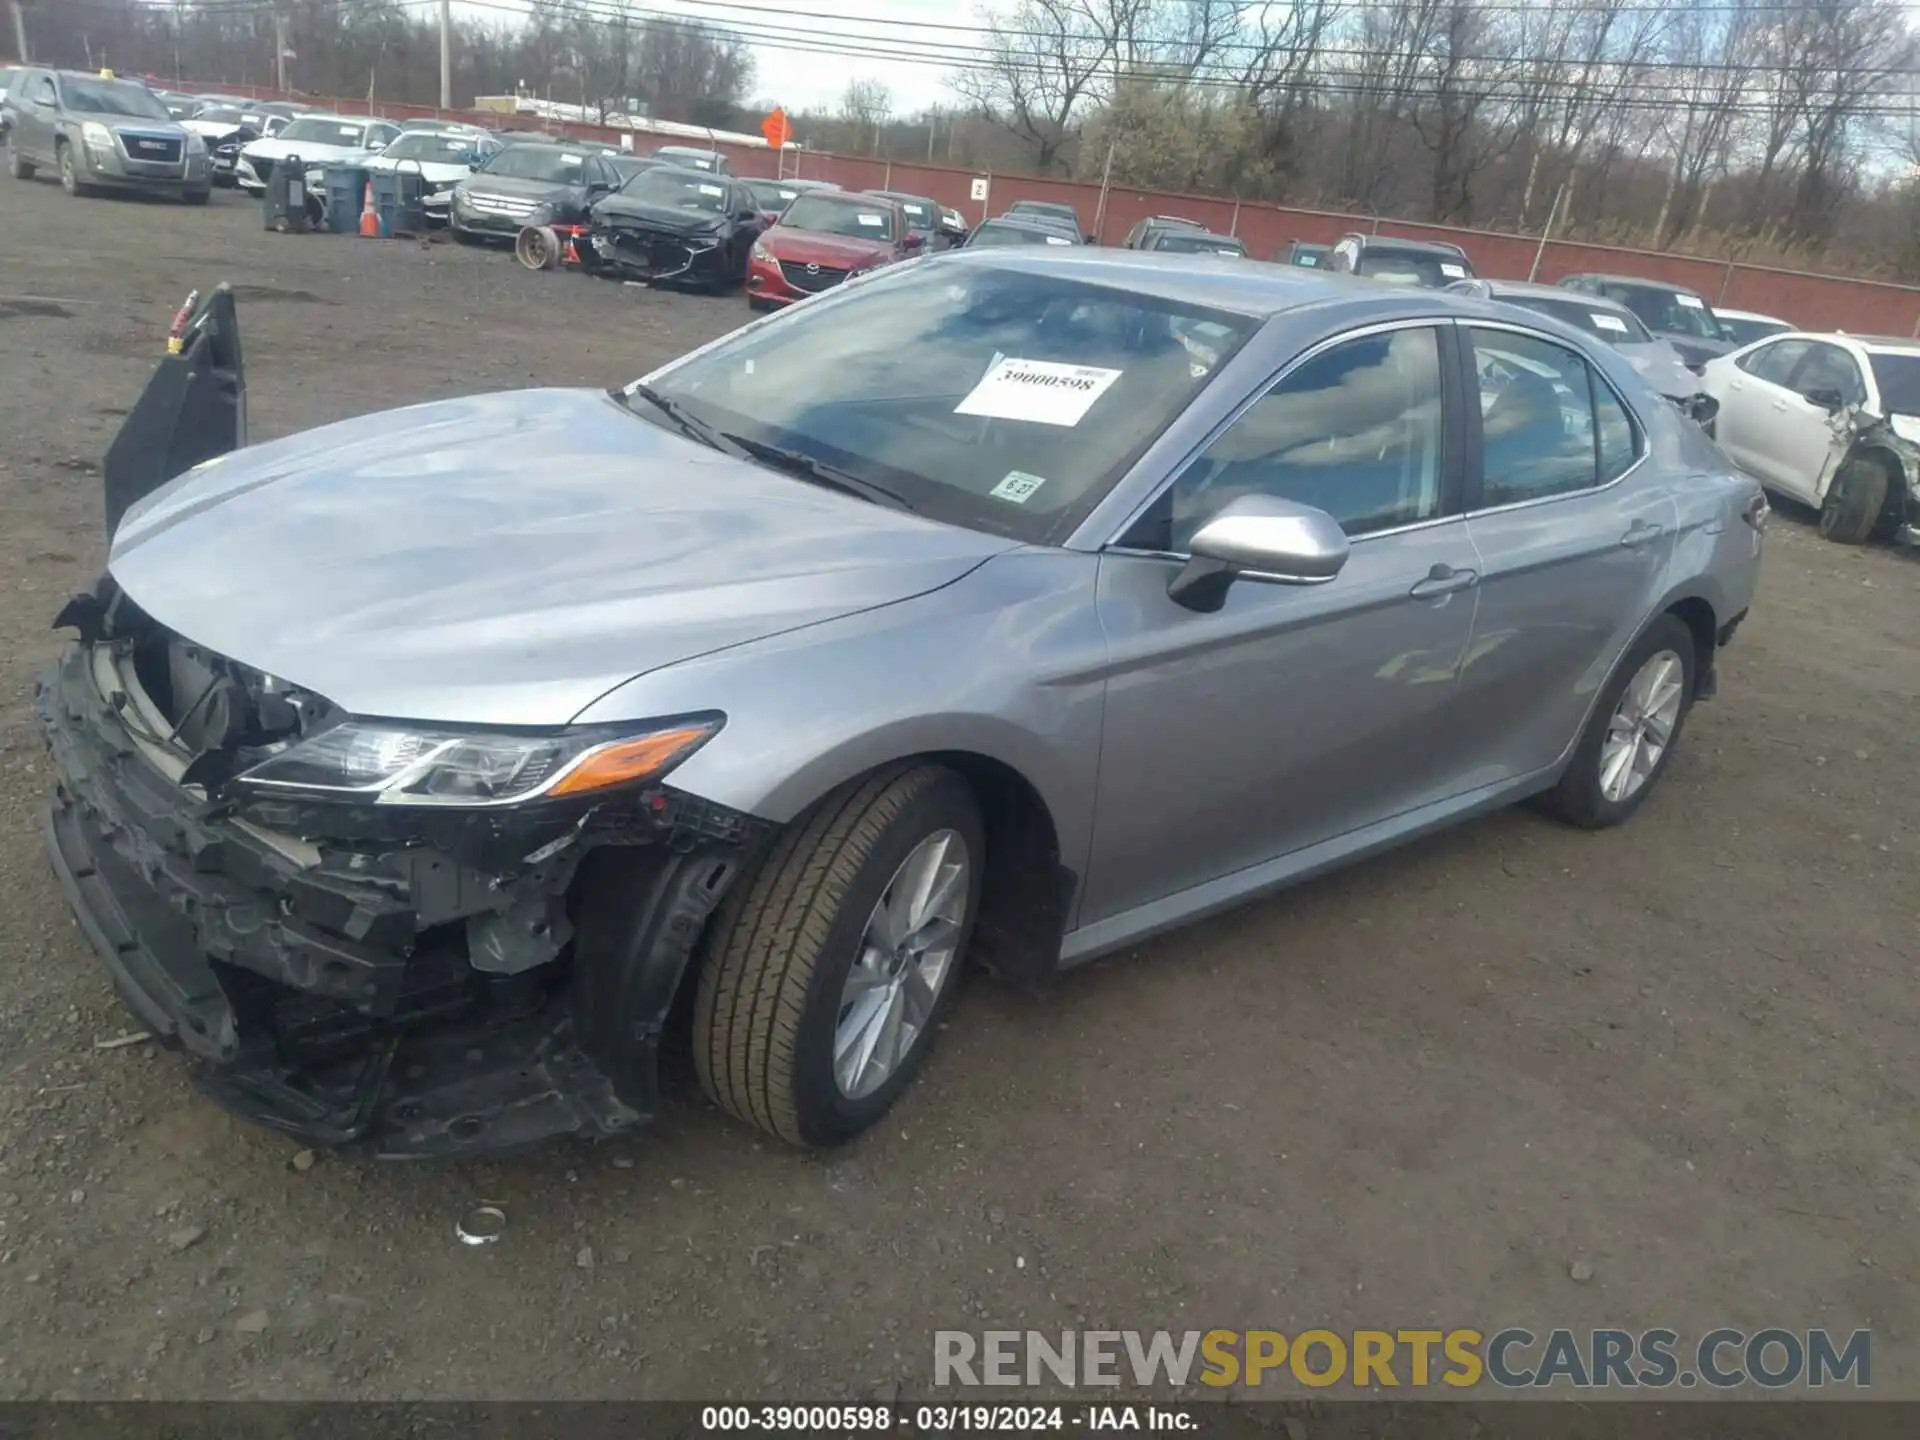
(829, 966)
(1634, 729)
(196, 197)
(1851, 511)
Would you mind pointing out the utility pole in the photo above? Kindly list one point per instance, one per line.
(20, 33)
(279, 52)
(446, 54)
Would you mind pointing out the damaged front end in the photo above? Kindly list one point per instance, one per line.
(631, 248)
(1869, 482)
(421, 942)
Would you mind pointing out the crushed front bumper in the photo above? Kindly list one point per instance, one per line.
(326, 985)
(639, 252)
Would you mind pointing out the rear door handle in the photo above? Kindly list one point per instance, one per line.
(1443, 579)
(1641, 533)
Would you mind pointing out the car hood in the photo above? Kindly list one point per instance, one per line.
(813, 247)
(274, 148)
(213, 129)
(1696, 349)
(506, 559)
(434, 172)
(114, 120)
(1660, 366)
(514, 187)
(669, 218)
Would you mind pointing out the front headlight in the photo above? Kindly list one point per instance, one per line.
(195, 144)
(96, 135)
(760, 252)
(393, 764)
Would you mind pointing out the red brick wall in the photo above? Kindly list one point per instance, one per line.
(1819, 302)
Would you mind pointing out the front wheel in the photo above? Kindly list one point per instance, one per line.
(1854, 501)
(1634, 729)
(70, 180)
(830, 965)
(18, 165)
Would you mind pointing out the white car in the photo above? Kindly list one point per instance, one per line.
(1743, 327)
(315, 139)
(443, 157)
(1832, 421)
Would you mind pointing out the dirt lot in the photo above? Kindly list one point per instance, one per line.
(1416, 1093)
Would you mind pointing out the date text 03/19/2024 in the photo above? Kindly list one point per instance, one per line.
(941, 1419)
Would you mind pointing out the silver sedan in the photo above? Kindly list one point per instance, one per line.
(1006, 606)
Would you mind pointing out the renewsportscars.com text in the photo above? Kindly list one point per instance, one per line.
(1514, 1358)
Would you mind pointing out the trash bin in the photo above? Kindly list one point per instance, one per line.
(283, 202)
(400, 200)
(346, 194)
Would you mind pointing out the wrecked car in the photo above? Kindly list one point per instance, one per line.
(418, 775)
(1832, 421)
(685, 226)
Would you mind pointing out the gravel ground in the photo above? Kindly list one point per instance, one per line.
(1426, 1091)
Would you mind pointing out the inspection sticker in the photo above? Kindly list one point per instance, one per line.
(1041, 391)
(1608, 322)
(1692, 302)
(1017, 486)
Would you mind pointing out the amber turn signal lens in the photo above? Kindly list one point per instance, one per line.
(623, 762)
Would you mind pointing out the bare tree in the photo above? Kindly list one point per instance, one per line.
(1043, 59)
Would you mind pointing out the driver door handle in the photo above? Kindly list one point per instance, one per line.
(1443, 579)
(1641, 533)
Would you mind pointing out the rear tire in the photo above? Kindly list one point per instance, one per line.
(196, 197)
(1851, 511)
(778, 1017)
(1585, 797)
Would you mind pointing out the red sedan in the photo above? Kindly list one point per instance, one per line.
(824, 237)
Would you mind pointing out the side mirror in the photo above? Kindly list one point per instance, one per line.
(1294, 544)
(1828, 399)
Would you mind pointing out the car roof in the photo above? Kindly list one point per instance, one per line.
(1256, 291)
(1499, 288)
(904, 195)
(1040, 224)
(1405, 246)
(1750, 315)
(1216, 235)
(1042, 205)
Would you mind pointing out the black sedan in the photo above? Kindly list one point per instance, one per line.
(687, 226)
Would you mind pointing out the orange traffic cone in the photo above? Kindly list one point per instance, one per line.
(572, 256)
(369, 222)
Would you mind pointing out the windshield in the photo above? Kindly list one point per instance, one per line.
(984, 397)
(537, 162)
(1675, 311)
(1745, 332)
(677, 190)
(325, 132)
(1898, 380)
(110, 97)
(1189, 242)
(993, 234)
(692, 159)
(1044, 210)
(446, 149)
(1407, 268)
(921, 214)
(771, 194)
(1604, 321)
(840, 215)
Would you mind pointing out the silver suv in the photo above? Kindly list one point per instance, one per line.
(98, 133)
(1012, 605)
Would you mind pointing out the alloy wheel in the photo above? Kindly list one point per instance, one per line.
(1642, 726)
(905, 962)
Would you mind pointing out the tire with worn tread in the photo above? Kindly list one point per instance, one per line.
(788, 933)
(1854, 502)
(1577, 798)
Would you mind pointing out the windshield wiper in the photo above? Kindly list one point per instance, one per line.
(689, 425)
(803, 465)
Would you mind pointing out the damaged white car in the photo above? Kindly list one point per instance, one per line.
(1832, 421)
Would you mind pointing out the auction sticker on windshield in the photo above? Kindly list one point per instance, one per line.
(866, 219)
(1692, 302)
(1453, 272)
(1608, 322)
(1017, 486)
(1042, 391)
(713, 190)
